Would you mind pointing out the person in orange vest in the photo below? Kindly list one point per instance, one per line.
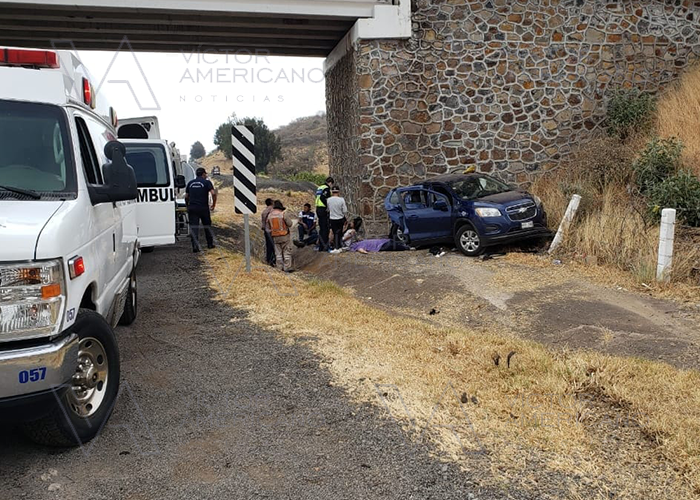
(279, 223)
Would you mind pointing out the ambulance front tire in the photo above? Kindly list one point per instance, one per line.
(147, 249)
(77, 417)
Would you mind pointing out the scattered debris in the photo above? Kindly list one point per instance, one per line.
(557, 262)
(510, 355)
(646, 286)
(496, 358)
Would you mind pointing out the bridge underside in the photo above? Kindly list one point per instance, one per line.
(262, 28)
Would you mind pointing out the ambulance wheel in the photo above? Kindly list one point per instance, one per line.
(132, 301)
(86, 405)
(147, 249)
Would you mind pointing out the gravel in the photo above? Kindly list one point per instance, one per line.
(214, 407)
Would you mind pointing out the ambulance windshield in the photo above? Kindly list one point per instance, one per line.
(35, 153)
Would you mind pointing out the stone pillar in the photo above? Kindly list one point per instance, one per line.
(509, 86)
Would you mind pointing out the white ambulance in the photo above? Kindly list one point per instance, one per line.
(68, 248)
(159, 177)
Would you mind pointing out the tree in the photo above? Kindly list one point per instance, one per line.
(197, 151)
(268, 147)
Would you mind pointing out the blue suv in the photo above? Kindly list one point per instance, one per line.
(472, 210)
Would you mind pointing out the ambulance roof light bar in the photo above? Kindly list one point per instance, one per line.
(29, 58)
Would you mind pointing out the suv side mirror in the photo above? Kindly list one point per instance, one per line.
(180, 181)
(120, 179)
(440, 205)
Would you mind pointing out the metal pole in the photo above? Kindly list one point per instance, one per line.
(565, 222)
(666, 235)
(247, 243)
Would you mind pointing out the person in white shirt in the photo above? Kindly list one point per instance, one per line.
(338, 210)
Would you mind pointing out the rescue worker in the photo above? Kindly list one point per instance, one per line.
(269, 243)
(323, 192)
(338, 211)
(279, 223)
(197, 199)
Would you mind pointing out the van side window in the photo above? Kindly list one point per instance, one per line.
(88, 155)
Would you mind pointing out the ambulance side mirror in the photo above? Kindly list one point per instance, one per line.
(119, 177)
(180, 181)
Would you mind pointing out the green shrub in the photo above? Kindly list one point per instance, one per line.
(313, 177)
(629, 112)
(660, 159)
(680, 191)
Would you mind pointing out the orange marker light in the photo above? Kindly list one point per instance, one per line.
(49, 291)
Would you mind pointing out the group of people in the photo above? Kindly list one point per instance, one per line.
(331, 217)
(314, 228)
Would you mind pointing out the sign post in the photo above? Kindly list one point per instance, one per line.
(244, 182)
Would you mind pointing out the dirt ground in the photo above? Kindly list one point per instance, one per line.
(546, 302)
(213, 406)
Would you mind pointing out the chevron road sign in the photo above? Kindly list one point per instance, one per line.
(243, 149)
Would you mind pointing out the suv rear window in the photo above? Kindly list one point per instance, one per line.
(35, 150)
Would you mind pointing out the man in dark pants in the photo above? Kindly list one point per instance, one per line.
(197, 198)
(269, 243)
(323, 192)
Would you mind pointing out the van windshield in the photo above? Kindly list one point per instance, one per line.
(478, 186)
(150, 164)
(35, 152)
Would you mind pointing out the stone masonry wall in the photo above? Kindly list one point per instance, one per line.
(343, 128)
(507, 85)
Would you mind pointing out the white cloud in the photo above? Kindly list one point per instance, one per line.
(192, 93)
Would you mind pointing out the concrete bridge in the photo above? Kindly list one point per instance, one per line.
(416, 88)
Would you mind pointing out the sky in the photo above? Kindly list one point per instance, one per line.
(192, 93)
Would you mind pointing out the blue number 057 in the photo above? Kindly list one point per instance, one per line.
(33, 375)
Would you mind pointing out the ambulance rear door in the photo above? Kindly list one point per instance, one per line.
(155, 210)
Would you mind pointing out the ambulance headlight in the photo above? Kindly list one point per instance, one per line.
(32, 297)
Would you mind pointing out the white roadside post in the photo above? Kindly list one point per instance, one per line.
(244, 181)
(668, 227)
(565, 222)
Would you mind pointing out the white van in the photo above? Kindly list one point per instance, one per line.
(68, 247)
(157, 181)
(159, 177)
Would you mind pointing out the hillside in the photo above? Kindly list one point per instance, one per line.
(304, 146)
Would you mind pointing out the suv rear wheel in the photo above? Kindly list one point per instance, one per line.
(468, 241)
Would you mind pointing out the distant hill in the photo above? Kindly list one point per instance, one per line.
(304, 146)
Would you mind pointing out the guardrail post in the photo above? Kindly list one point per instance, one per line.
(565, 222)
(668, 227)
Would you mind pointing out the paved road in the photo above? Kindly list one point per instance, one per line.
(214, 407)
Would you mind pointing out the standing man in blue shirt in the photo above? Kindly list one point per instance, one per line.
(197, 198)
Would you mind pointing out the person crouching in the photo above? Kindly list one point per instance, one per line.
(279, 223)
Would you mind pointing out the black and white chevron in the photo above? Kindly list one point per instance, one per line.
(243, 146)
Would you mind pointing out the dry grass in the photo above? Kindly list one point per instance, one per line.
(528, 418)
(610, 224)
(679, 116)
